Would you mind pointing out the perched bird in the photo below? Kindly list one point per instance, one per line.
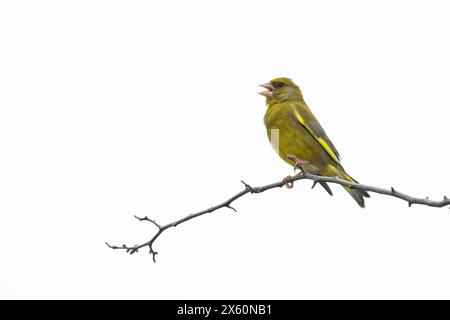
(293, 130)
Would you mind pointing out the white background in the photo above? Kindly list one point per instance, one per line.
(115, 108)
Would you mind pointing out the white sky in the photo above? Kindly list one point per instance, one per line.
(115, 108)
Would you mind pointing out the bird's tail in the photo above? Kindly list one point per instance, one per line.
(356, 194)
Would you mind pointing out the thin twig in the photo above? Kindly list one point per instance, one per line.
(251, 190)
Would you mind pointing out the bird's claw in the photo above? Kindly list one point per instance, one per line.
(288, 182)
(298, 163)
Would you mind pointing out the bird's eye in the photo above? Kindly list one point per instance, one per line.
(278, 84)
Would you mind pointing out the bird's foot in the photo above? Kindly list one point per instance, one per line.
(299, 164)
(288, 182)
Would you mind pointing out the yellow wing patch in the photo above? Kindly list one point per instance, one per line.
(322, 142)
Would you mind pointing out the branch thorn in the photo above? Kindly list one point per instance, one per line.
(248, 187)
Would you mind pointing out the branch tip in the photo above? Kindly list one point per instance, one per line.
(148, 219)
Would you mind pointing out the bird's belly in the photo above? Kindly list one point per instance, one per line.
(293, 139)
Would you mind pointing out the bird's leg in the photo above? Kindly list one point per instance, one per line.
(298, 164)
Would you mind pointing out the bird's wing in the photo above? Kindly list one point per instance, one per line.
(307, 119)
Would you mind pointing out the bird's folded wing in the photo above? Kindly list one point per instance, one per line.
(307, 119)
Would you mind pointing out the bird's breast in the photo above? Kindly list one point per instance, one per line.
(288, 137)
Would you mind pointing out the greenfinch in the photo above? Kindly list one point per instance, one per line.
(293, 130)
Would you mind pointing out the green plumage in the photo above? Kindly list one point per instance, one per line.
(289, 120)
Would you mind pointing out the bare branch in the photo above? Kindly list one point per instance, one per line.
(147, 219)
(251, 190)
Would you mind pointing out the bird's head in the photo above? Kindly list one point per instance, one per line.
(281, 90)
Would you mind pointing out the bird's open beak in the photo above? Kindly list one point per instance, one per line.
(267, 93)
